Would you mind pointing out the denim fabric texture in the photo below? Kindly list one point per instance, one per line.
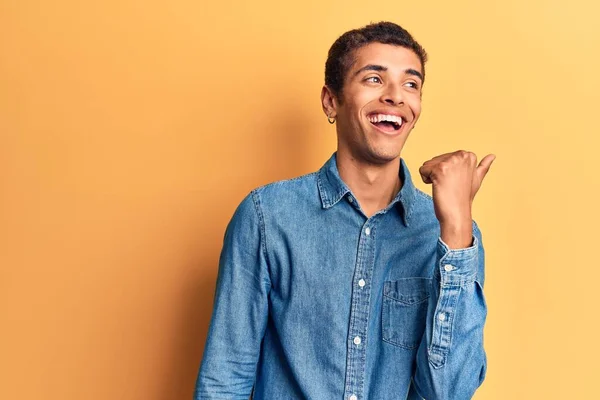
(316, 301)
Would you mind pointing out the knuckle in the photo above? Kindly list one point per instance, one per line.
(458, 156)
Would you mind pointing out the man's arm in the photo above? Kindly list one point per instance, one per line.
(451, 360)
(240, 311)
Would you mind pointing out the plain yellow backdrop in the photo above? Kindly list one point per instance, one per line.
(130, 130)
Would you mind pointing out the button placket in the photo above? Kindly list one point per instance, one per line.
(359, 314)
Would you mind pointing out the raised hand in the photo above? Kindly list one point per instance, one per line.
(456, 178)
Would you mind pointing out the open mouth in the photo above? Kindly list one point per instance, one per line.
(385, 122)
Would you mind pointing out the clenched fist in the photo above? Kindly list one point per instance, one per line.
(456, 178)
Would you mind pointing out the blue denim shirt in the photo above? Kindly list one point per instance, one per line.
(316, 301)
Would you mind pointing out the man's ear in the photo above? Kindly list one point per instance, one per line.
(329, 102)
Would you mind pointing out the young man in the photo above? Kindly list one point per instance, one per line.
(350, 283)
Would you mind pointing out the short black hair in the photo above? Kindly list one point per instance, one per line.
(341, 54)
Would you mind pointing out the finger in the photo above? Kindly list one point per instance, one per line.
(436, 158)
(484, 166)
(425, 172)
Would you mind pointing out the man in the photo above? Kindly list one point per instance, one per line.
(350, 283)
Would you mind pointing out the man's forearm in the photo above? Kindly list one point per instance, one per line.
(457, 235)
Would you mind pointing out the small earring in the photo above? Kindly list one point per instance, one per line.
(330, 120)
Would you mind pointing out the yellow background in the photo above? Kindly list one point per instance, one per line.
(130, 130)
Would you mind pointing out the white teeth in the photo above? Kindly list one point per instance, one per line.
(384, 117)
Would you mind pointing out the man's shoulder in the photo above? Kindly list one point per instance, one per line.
(285, 193)
(423, 203)
(286, 187)
(423, 197)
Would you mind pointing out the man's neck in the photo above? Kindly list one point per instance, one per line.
(374, 186)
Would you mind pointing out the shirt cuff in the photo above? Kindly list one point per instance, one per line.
(457, 266)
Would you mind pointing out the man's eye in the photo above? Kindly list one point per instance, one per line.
(414, 85)
(374, 79)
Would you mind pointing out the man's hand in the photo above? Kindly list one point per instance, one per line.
(456, 178)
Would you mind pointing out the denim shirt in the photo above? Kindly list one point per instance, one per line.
(316, 301)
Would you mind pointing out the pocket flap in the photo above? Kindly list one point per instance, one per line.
(408, 290)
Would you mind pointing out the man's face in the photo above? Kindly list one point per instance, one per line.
(381, 102)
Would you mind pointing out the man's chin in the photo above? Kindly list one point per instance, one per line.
(386, 150)
(384, 156)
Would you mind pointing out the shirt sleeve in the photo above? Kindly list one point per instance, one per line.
(239, 317)
(451, 361)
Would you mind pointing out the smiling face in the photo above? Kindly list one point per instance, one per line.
(380, 102)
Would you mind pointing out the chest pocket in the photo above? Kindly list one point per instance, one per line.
(404, 311)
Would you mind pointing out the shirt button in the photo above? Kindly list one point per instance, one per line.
(350, 199)
(361, 283)
(368, 231)
(448, 267)
(353, 397)
(442, 317)
(357, 340)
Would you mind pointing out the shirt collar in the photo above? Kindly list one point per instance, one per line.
(332, 188)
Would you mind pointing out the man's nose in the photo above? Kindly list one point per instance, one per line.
(393, 95)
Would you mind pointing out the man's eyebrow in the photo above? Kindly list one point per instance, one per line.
(371, 67)
(414, 72)
(381, 68)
